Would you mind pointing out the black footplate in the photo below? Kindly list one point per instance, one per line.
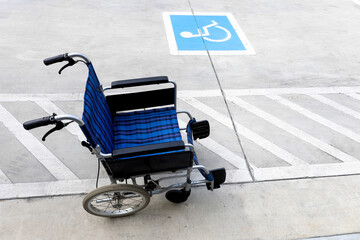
(200, 129)
(219, 175)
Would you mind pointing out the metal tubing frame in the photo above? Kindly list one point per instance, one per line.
(80, 55)
(69, 117)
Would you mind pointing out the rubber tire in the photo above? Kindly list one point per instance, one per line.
(115, 187)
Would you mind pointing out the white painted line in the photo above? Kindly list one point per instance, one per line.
(41, 97)
(59, 188)
(294, 131)
(353, 95)
(3, 178)
(51, 108)
(199, 93)
(316, 170)
(169, 34)
(357, 2)
(43, 155)
(336, 105)
(247, 133)
(351, 91)
(281, 91)
(55, 188)
(317, 118)
(226, 154)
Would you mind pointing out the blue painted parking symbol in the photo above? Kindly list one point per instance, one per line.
(216, 33)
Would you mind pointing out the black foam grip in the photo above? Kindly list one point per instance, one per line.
(38, 122)
(55, 59)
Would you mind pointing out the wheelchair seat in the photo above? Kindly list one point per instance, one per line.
(140, 141)
(140, 128)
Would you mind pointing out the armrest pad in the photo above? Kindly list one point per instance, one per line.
(139, 82)
(148, 149)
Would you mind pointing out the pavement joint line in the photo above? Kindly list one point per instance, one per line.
(10, 191)
(247, 133)
(341, 236)
(223, 96)
(336, 105)
(36, 148)
(294, 131)
(79, 187)
(313, 170)
(316, 118)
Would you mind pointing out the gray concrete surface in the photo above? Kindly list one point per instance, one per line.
(295, 105)
(269, 210)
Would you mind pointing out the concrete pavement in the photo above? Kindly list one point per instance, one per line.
(295, 106)
(291, 209)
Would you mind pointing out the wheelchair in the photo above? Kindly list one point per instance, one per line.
(132, 128)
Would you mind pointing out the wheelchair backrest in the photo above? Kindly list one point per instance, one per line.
(98, 127)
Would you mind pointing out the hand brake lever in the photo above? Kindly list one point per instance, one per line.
(70, 63)
(59, 125)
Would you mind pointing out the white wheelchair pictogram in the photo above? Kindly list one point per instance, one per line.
(205, 34)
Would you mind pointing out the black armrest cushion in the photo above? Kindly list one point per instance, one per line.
(148, 149)
(139, 82)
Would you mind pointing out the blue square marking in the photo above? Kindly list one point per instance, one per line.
(217, 33)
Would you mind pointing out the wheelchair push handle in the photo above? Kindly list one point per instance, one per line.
(39, 122)
(55, 59)
(69, 57)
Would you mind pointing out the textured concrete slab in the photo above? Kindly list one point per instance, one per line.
(271, 210)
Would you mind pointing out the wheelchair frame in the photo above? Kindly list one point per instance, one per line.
(177, 192)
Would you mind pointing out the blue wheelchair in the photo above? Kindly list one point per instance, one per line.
(132, 128)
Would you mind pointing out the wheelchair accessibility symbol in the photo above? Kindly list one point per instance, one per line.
(206, 33)
(203, 33)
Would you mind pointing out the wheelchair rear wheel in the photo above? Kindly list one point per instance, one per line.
(117, 200)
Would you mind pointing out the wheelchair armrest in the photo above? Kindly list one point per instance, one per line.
(139, 82)
(148, 149)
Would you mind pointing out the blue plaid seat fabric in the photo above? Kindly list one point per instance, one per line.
(98, 127)
(146, 127)
(125, 129)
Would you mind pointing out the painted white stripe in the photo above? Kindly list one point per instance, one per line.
(41, 97)
(317, 170)
(43, 155)
(336, 105)
(317, 118)
(247, 133)
(351, 91)
(199, 93)
(280, 91)
(353, 95)
(294, 131)
(51, 108)
(55, 188)
(3, 178)
(226, 154)
(357, 2)
(58, 188)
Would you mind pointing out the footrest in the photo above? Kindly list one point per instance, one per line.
(177, 196)
(200, 129)
(219, 175)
